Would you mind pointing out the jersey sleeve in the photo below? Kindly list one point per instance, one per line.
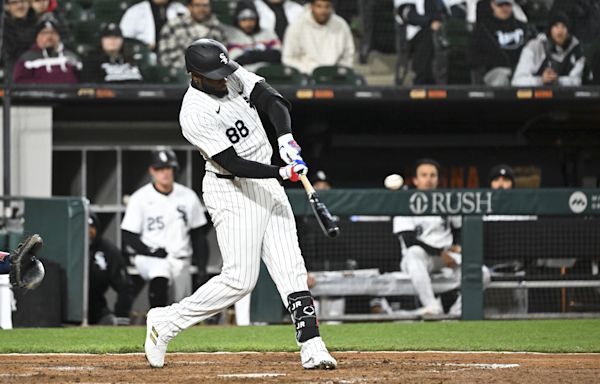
(245, 80)
(203, 132)
(198, 216)
(403, 224)
(134, 216)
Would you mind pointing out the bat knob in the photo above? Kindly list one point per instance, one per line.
(333, 232)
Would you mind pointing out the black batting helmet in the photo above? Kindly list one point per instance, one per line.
(164, 157)
(210, 59)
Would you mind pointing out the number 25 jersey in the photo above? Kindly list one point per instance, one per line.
(213, 124)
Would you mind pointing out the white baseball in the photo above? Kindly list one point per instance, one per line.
(393, 182)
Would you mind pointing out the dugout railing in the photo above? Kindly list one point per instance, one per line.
(540, 246)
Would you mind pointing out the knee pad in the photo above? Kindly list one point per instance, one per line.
(302, 309)
(158, 292)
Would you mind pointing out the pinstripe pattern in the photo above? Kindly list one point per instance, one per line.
(253, 218)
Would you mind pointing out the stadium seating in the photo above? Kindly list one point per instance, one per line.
(336, 75)
(282, 75)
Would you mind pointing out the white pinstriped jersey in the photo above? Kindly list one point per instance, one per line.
(164, 221)
(214, 124)
(435, 231)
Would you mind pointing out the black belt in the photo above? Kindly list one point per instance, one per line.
(228, 177)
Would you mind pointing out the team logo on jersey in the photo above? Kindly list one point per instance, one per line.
(181, 210)
(100, 261)
(223, 58)
(578, 202)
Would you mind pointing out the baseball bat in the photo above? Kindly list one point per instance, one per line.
(326, 221)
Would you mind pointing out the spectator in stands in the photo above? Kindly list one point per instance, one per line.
(429, 243)
(19, 29)
(502, 176)
(426, 38)
(276, 15)
(47, 61)
(144, 21)
(496, 45)
(43, 7)
(109, 64)
(107, 269)
(248, 43)
(584, 16)
(553, 58)
(317, 38)
(180, 32)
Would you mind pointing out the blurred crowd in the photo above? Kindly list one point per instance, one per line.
(499, 42)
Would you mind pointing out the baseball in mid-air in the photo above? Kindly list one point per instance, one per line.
(393, 181)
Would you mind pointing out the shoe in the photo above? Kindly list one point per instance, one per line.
(154, 346)
(314, 355)
(432, 310)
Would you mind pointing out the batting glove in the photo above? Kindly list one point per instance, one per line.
(289, 150)
(294, 170)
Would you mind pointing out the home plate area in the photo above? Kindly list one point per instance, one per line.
(354, 367)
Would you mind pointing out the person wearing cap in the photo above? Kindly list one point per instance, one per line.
(163, 228)
(502, 176)
(47, 61)
(144, 20)
(319, 37)
(107, 269)
(110, 64)
(249, 44)
(496, 44)
(179, 33)
(19, 29)
(320, 181)
(553, 58)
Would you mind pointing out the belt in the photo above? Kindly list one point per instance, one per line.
(220, 176)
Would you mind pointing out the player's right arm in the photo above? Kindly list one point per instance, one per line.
(132, 227)
(404, 227)
(204, 133)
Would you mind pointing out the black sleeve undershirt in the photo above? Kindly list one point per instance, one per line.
(239, 167)
(266, 99)
(133, 240)
(410, 239)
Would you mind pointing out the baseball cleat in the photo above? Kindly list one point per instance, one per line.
(314, 355)
(154, 347)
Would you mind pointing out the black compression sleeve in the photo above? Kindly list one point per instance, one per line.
(239, 167)
(268, 100)
(199, 248)
(133, 241)
(410, 239)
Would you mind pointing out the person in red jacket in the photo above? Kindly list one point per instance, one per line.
(47, 61)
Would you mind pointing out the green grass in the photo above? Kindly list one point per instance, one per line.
(532, 336)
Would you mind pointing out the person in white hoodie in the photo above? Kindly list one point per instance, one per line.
(319, 37)
(553, 58)
(144, 20)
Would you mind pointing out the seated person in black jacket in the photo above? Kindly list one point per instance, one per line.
(110, 64)
(497, 43)
(107, 269)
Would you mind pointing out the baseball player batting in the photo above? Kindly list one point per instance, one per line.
(248, 206)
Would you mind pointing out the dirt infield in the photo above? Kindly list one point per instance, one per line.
(354, 367)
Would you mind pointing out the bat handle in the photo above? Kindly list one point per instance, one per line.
(307, 185)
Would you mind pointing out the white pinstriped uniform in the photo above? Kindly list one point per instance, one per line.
(165, 221)
(252, 217)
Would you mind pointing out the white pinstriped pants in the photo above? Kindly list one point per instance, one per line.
(253, 220)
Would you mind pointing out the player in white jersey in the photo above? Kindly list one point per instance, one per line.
(163, 228)
(242, 192)
(429, 243)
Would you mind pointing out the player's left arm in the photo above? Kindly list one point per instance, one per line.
(266, 99)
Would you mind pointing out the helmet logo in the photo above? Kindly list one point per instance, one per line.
(223, 58)
(163, 157)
